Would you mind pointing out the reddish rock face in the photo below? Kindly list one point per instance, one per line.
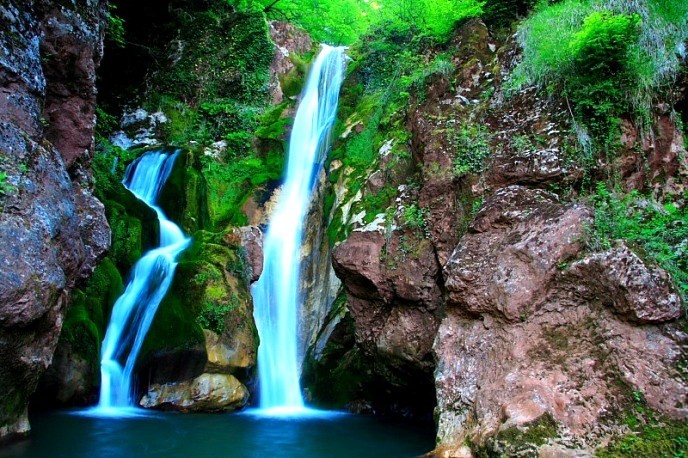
(531, 326)
(656, 158)
(71, 47)
(52, 230)
(537, 336)
(506, 262)
(394, 299)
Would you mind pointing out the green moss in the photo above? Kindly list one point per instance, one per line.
(536, 432)
(184, 197)
(668, 439)
(292, 83)
(88, 314)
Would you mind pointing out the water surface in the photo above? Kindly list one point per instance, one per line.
(158, 434)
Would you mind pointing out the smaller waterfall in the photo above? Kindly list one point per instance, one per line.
(277, 294)
(152, 275)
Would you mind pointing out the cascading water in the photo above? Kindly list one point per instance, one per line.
(152, 275)
(276, 294)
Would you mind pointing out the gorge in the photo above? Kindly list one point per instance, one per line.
(494, 249)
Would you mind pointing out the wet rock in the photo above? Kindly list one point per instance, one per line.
(206, 393)
(52, 232)
(138, 129)
(226, 356)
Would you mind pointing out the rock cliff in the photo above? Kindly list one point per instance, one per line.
(53, 230)
(482, 276)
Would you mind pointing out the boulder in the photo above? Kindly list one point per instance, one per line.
(205, 393)
(530, 336)
(506, 261)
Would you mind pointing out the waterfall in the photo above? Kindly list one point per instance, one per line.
(276, 295)
(152, 275)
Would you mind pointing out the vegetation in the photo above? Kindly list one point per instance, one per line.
(650, 434)
(472, 144)
(607, 57)
(344, 21)
(5, 186)
(660, 232)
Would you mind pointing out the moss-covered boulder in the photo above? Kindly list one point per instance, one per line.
(74, 376)
(205, 323)
(184, 196)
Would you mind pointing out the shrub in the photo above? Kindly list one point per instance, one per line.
(472, 145)
(660, 231)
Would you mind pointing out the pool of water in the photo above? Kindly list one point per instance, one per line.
(73, 434)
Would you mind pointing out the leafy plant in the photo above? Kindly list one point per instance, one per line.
(5, 186)
(115, 32)
(472, 145)
(212, 315)
(414, 217)
(660, 231)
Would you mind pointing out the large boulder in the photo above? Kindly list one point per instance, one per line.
(394, 300)
(206, 393)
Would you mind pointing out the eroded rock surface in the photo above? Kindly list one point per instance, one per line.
(52, 230)
(539, 336)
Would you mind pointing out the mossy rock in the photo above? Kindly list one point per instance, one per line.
(88, 314)
(184, 197)
(208, 292)
(521, 440)
(74, 377)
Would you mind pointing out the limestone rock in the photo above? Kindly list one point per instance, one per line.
(205, 393)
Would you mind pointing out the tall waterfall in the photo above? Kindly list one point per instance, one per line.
(152, 275)
(276, 295)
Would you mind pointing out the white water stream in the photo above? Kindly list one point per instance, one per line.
(276, 295)
(152, 275)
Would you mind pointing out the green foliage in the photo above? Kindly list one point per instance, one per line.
(472, 145)
(115, 32)
(231, 182)
(212, 315)
(344, 21)
(5, 186)
(335, 22)
(377, 202)
(414, 217)
(607, 57)
(659, 231)
(600, 46)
